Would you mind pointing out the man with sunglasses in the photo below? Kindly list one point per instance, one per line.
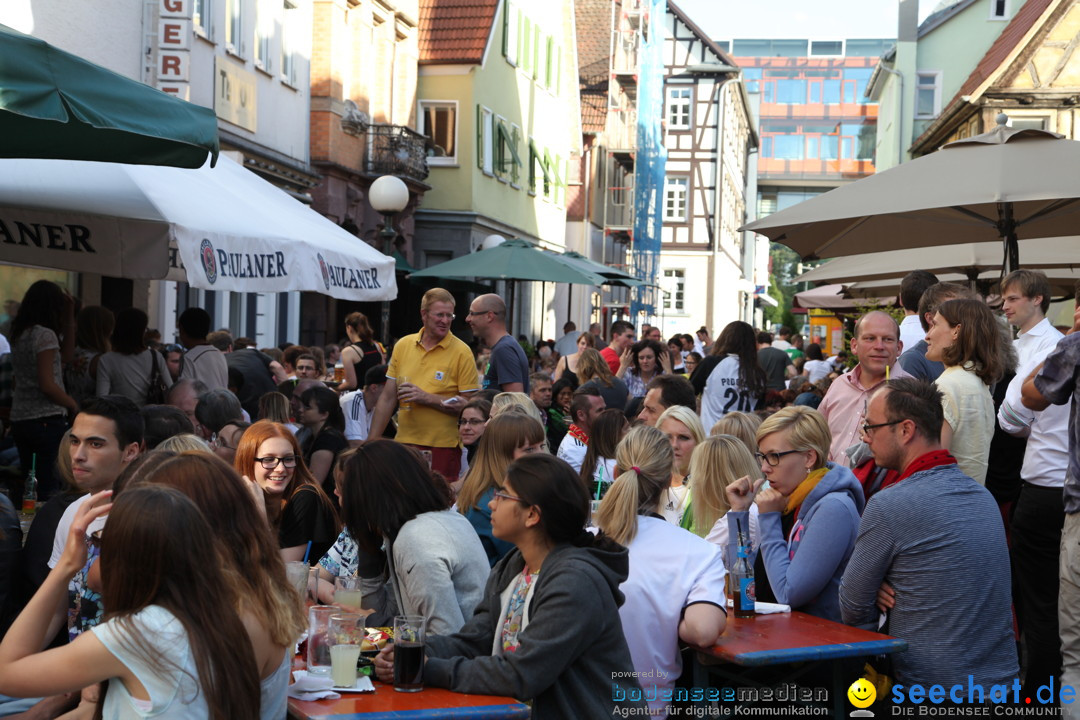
(508, 370)
(432, 374)
(930, 553)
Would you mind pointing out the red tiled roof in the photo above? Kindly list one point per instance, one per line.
(592, 20)
(593, 113)
(455, 31)
(1014, 32)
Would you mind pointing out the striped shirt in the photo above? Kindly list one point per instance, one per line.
(937, 539)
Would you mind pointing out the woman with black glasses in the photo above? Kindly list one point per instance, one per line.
(808, 516)
(297, 508)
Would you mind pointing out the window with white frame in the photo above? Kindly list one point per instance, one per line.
(289, 42)
(674, 287)
(676, 190)
(264, 33)
(511, 33)
(486, 146)
(234, 27)
(202, 13)
(678, 108)
(999, 9)
(438, 121)
(927, 94)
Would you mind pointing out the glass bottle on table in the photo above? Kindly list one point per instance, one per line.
(743, 580)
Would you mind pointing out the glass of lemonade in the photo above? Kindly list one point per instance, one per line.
(347, 594)
(345, 634)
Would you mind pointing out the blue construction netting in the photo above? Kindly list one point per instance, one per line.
(649, 166)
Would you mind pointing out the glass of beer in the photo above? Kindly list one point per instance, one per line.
(403, 406)
(409, 653)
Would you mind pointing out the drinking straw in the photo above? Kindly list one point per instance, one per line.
(886, 372)
(599, 480)
(738, 528)
(308, 551)
(33, 464)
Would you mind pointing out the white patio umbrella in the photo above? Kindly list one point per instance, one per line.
(1005, 183)
(229, 228)
(1062, 283)
(836, 297)
(970, 260)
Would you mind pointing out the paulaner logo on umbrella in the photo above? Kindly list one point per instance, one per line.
(325, 272)
(209, 262)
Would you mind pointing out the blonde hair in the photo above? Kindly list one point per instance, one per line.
(504, 434)
(435, 295)
(592, 365)
(184, 442)
(806, 428)
(63, 460)
(690, 419)
(643, 460)
(717, 462)
(741, 425)
(507, 400)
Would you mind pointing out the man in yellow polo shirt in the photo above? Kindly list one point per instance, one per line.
(431, 376)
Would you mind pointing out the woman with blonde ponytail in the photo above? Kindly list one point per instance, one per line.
(675, 590)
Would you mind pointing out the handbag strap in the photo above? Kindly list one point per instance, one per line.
(155, 373)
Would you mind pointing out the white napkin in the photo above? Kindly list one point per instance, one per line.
(312, 687)
(765, 608)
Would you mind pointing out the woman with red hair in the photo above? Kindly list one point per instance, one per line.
(297, 508)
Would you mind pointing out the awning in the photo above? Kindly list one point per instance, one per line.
(230, 229)
(56, 105)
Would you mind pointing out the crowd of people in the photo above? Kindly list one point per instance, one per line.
(560, 517)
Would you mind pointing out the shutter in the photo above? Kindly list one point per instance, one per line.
(479, 136)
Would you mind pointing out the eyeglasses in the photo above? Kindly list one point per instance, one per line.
(474, 422)
(269, 463)
(506, 496)
(217, 440)
(867, 428)
(479, 312)
(173, 348)
(773, 458)
(444, 316)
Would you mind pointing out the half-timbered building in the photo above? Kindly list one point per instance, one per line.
(705, 275)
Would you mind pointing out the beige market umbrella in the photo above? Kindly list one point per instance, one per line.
(974, 260)
(836, 297)
(1062, 283)
(1008, 184)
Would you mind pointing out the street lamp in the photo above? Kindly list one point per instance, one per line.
(388, 195)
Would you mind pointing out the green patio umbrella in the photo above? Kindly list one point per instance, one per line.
(56, 105)
(515, 259)
(612, 275)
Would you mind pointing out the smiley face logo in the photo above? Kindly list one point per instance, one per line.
(861, 694)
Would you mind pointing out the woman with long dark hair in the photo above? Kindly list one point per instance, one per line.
(321, 414)
(737, 382)
(296, 506)
(250, 551)
(593, 370)
(641, 363)
(93, 327)
(548, 626)
(393, 503)
(598, 467)
(171, 644)
(361, 354)
(566, 369)
(472, 421)
(42, 335)
(132, 369)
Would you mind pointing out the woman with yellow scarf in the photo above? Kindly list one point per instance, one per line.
(808, 516)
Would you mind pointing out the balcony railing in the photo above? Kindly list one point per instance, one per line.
(396, 150)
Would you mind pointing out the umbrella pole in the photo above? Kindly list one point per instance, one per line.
(1007, 228)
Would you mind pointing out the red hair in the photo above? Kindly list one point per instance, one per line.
(248, 448)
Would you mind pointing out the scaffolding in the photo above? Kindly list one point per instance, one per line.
(651, 157)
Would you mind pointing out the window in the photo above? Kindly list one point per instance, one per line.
(675, 192)
(507, 160)
(999, 9)
(867, 48)
(674, 289)
(826, 47)
(678, 109)
(202, 15)
(485, 140)
(1028, 123)
(234, 27)
(511, 33)
(438, 121)
(289, 43)
(264, 32)
(927, 94)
